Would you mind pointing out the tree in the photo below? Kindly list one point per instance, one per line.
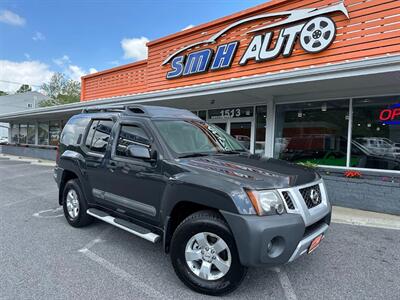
(2, 93)
(61, 90)
(23, 89)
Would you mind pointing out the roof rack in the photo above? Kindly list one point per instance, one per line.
(135, 109)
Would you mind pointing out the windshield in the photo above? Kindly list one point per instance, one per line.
(188, 138)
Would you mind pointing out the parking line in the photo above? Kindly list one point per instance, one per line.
(135, 281)
(285, 283)
(27, 199)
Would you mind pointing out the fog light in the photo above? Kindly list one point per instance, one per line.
(269, 246)
(279, 208)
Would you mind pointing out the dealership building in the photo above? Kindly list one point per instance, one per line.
(315, 82)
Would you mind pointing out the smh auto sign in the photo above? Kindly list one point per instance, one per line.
(313, 27)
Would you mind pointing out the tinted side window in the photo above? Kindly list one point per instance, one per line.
(73, 131)
(98, 136)
(129, 135)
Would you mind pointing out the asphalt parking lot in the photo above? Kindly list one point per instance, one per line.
(42, 257)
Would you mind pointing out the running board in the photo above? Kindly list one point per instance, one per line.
(125, 225)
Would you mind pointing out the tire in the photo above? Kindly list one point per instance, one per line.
(208, 224)
(79, 217)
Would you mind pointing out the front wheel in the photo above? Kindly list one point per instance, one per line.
(75, 205)
(204, 254)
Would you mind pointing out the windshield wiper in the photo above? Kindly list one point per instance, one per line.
(193, 155)
(231, 151)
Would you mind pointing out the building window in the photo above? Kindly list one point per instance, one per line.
(54, 132)
(43, 133)
(23, 131)
(314, 132)
(31, 134)
(261, 123)
(376, 133)
(14, 133)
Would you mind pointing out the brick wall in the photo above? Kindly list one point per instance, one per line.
(366, 194)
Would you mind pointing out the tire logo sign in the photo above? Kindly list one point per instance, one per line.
(315, 31)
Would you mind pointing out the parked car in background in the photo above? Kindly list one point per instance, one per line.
(3, 140)
(331, 151)
(380, 146)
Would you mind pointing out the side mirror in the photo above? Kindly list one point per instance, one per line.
(138, 151)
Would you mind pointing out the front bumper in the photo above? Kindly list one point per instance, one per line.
(273, 240)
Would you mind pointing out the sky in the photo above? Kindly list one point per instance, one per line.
(78, 37)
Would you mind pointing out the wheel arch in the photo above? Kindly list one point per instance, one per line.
(179, 212)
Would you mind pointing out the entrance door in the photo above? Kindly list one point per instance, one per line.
(240, 128)
(242, 132)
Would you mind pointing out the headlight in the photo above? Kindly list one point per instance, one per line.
(266, 202)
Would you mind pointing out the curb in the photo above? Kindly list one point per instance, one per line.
(32, 161)
(349, 216)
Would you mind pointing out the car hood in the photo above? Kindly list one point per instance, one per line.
(252, 170)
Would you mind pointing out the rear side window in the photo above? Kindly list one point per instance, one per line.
(74, 130)
(129, 135)
(98, 135)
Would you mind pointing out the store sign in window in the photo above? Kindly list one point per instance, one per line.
(313, 27)
(231, 113)
(391, 115)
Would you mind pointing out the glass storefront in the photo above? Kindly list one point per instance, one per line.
(23, 131)
(31, 134)
(314, 132)
(318, 133)
(54, 132)
(261, 125)
(376, 133)
(14, 133)
(43, 133)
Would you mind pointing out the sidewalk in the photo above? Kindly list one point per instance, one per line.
(350, 216)
(33, 161)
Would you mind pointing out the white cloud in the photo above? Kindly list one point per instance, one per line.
(8, 17)
(187, 27)
(114, 62)
(75, 72)
(135, 48)
(27, 56)
(38, 36)
(13, 74)
(62, 60)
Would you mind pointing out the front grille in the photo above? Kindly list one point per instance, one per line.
(311, 195)
(288, 200)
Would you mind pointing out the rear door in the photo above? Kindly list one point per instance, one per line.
(95, 146)
(134, 186)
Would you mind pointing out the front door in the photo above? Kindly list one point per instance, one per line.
(135, 186)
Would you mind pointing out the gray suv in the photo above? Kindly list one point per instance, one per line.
(165, 175)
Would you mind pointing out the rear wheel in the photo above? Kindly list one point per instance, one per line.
(204, 254)
(75, 205)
